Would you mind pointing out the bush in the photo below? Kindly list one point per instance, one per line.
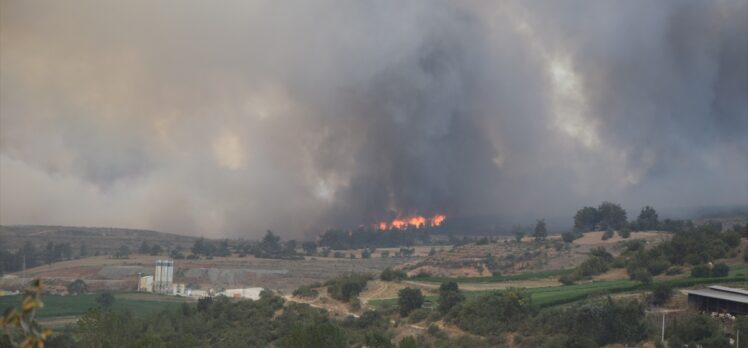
(625, 233)
(390, 274)
(608, 234)
(745, 255)
(592, 266)
(345, 287)
(720, 270)
(673, 271)
(700, 271)
(305, 291)
(661, 294)
(419, 314)
(408, 300)
(105, 299)
(566, 279)
(641, 274)
(494, 313)
(449, 296)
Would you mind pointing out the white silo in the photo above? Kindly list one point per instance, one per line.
(164, 276)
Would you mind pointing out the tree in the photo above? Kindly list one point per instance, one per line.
(390, 274)
(84, 250)
(568, 237)
(105, 299)
(409, 299)
(700, 271)
(49, 253)
(77, 287)
(647, 219)
(156, 250)
(586, 219)
(316, 334)
(270, 244)
(144, 249)
(540, 230)
(309, 247)
(449, 296)
(407, 342)
(661, 294)
(122, 253)
(611, 215)
(199, 246)
(518, 236)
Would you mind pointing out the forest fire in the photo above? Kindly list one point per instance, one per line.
(415, 221)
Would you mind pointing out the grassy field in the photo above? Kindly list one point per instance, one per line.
(58, 306)
(557, 295)
(496, 278)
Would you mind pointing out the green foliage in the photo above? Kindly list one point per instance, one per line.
(105, 299)
(449, 296)
(641, 275)
(409, 299)
(540, 232)
(625, 233)
(314, 335)
(594, 265)
(347, 286)
(305, 291)
(586, 219)
(611, 215)
(604, 322)
(77, 287)
(661, 294)
(720, 270)
(695, 329)
(493, 313)
(390, 274)
(648, 219)
(569, 237)
(700, 271)
(123, 252)
(567, 279)
(407, 342)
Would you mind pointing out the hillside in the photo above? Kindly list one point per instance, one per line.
(102, 239)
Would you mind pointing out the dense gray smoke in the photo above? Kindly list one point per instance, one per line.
(229, 118)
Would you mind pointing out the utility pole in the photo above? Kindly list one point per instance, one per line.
(737, 339)
(662, 338)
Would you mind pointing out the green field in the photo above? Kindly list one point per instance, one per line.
(557, 295)
(58, 306)
(496, 278)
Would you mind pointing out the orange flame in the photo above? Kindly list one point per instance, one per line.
(416, 221)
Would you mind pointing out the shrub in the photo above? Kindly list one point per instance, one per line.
(390, 274)
(449, 296)
(720, 270)
(624, 233)
(661, 294)
(641, 274)
(305, 291)
(418, 314)
(674, 271)
(494, 313)
(345, 287)
(566, 279)
(700, 271)
(408, 300)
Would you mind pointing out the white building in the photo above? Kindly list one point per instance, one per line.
(249, 293)
(146, 284)
(197, 293)
(179, 289)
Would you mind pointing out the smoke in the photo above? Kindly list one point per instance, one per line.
(228, 119)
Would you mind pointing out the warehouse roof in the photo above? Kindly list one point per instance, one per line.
(722, 293)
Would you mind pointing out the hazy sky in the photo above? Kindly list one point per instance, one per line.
(227, 118)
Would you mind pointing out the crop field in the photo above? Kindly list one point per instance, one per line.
(58, 306)
(557, 295)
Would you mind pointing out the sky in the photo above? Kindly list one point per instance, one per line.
(228, 118)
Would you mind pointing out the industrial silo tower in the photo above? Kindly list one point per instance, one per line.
(164, 276)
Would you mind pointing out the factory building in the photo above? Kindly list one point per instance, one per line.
(719, 299)
(164, 277)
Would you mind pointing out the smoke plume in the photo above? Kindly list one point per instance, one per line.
(232, 118)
